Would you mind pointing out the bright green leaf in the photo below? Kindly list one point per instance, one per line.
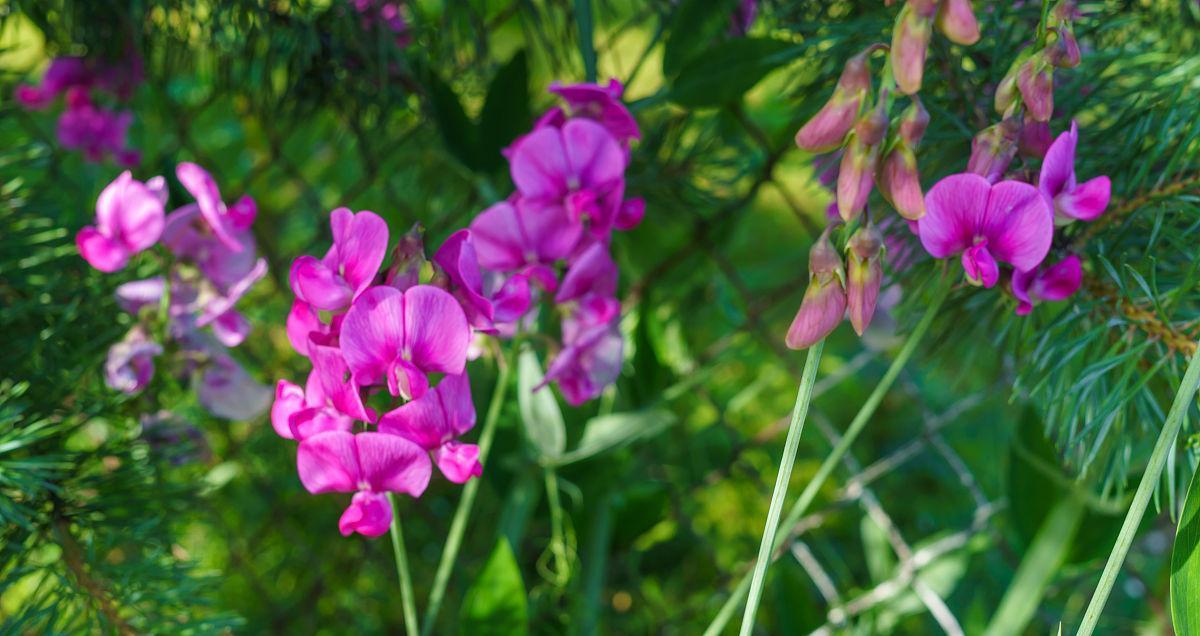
(1185, 565)
(609, 431)
(496, 602)
(539, 409)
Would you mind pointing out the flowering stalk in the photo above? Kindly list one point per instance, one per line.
(462, 514)
(799, 413)
(1141, 499)
(407, 601)
(843, 446)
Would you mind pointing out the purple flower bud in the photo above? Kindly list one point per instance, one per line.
(1035, 80)
(1035, 139)
(828, 128)
(865, 275)
(957, 21)
(856, 177)
(913, 122)
(1063, 52)
(900, 182)
(408, 257)
(993, 149)
(910, 40)
(824, 302)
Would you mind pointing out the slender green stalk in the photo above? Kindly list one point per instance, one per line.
(587, 48)
(790, 446)
(1038, 567)
(839, 450)
(562, 571)
(1158, 459)
(406, 589)
(458, 525)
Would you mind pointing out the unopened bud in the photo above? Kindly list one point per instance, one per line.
(824, 302)
(1035, 139)
(956, 20)
(993, 149)
(864, 255)
(900, 182)
(913, 122)
(1063, 52)
(408, 257)
(872, 128)
(1035, 80)
(829, 127)
(910, 40)
(856, 177)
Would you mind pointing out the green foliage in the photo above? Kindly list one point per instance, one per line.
(495, 603)
(1185, 565)
(540, 412)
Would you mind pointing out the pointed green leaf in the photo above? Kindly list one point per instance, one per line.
(457, 130)
(1185, 564)
(723, 72)
(506, 112)
(496, 602)
(539, 409)
(609, 431)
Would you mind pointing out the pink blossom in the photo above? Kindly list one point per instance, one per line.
(592, 272)
(130, 363)
(1047, 283)
(367, 464)
(509, 236)
(599, 103)
(213, 210)
(827, 129)
(1070, 199)
(457, 260)
(350, 265)
(330, 400)
(824, 303)
(129, 219)
(226, 390)
(593, 350)
(435, 421)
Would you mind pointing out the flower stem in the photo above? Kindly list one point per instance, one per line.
(1141, 499)
(562, 571)
(795, 429)
(406, 589)
(835, 456)
(458, 525)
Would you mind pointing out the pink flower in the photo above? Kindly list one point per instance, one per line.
(135, 295)
(130, 363)
(1056, 282)
(993, 149)
(510, 236)
(129, 219)
(350, 265)
(579, 168)
(1008, 222)
(593, 350)
(189, 236)
(1035, 139)
(864, 275)
(435, 421)
(96, 131)
(910, 41)
(957, 21)
(62, 74)
(457, 260)
(367, 464)
(396, 337)
(227, 391)
(219, 218)
(329, 401)
(1071, 200)
(601, 104)
(592, 272)
(825, 299)
(828, 128)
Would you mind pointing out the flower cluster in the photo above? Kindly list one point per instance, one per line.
(209, 264)
(86, 124)
(385, 15)
(380, 335)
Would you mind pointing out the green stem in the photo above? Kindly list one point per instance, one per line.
(839, 450)
(790, 446)
(406, 589)
(587, 47)
(562, 572)
(1038, 568)
(1158, 459)
(458, 525)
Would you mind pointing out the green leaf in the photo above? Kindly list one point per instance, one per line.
(457, 130)
(506, 112)
(1185, 564)
(723, 72)
(693, 26)
(539, 410)
(495, 604)
(609, 431)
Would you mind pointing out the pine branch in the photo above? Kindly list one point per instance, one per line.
(96, 589)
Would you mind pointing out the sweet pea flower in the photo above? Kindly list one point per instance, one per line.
(987, 224)
(993, 149)
(956, 20)
(579, 167)
(827, 129)
(226, 390)
(434, 423)
(329, 400)
(200, 184)
(130, 363)
(397, 337)
(189, 236)
(824, 302)
(1056, 282)
(457, 261)
(1071, 200)
(910, 41)
(129, 219)
(135, 295)
(593, 350)
(348, 268)
(599, 103)
(96, 131)
(592, 272)
(510, 236)
(864, 275)
(856, 175)
(62, 74)
(367, 464)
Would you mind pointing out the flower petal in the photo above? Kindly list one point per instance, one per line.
(100, 251)
(369, 514)
(594, 271)
(361, 240)
(436, 418)
(539, 165)
(1059, 281)
(436, 333)
(289, 399)
(203, 188)
(302, 321)
(1058, 168)
(954, 210)
(1087, 201)
(391, 463)
(1018, 225)
(314, 283)
(328, 462)
(458, 462)
(373, 333)
(594, 157)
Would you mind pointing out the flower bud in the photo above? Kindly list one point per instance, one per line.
(824, 302)
(993, 149)
(1035, 80)
(956, 20)
(1006, 90)
(828, 128)
(864, 255)
(910, 39)
(1063, 52)
(1035, 139)
(856, 177)
(900, 182)
(913, 122)
(408, 257)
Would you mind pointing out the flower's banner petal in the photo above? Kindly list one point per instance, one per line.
(1058, 168)
(954, 210)
(231, 328)
(391, 463)
(594, 271)
(1061, 280)
(539, 165)
(289, 400)
(595, 158)
(336, 387)
(373, 333)
(361, 241)
(1018, 225)
(551, 234)
(499, 238)
(302, 321)
(328, 462)
(436, 333)
(204, 189)
(100, 251)
(457, 258)
(318, 285)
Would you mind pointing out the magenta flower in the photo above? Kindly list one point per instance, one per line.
(457, 260)
(303, 321)
(510, 236)
(95, 130)
(592, 272)
(201, 185)
(397, 337)
(1035, 139)
(129, 219)
(348, 268)
(987, 224)
(593, 350)
(579, 167)
(367, 464)
(62, 74)
(824, 303)
(1071, 200)
(993, 149)
(434, 423)
(743, 17)
(135, 295)
(864, 275)
(601, 104)
(130, 363)
(189, 236)
(1056, 282)
(330, 399)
